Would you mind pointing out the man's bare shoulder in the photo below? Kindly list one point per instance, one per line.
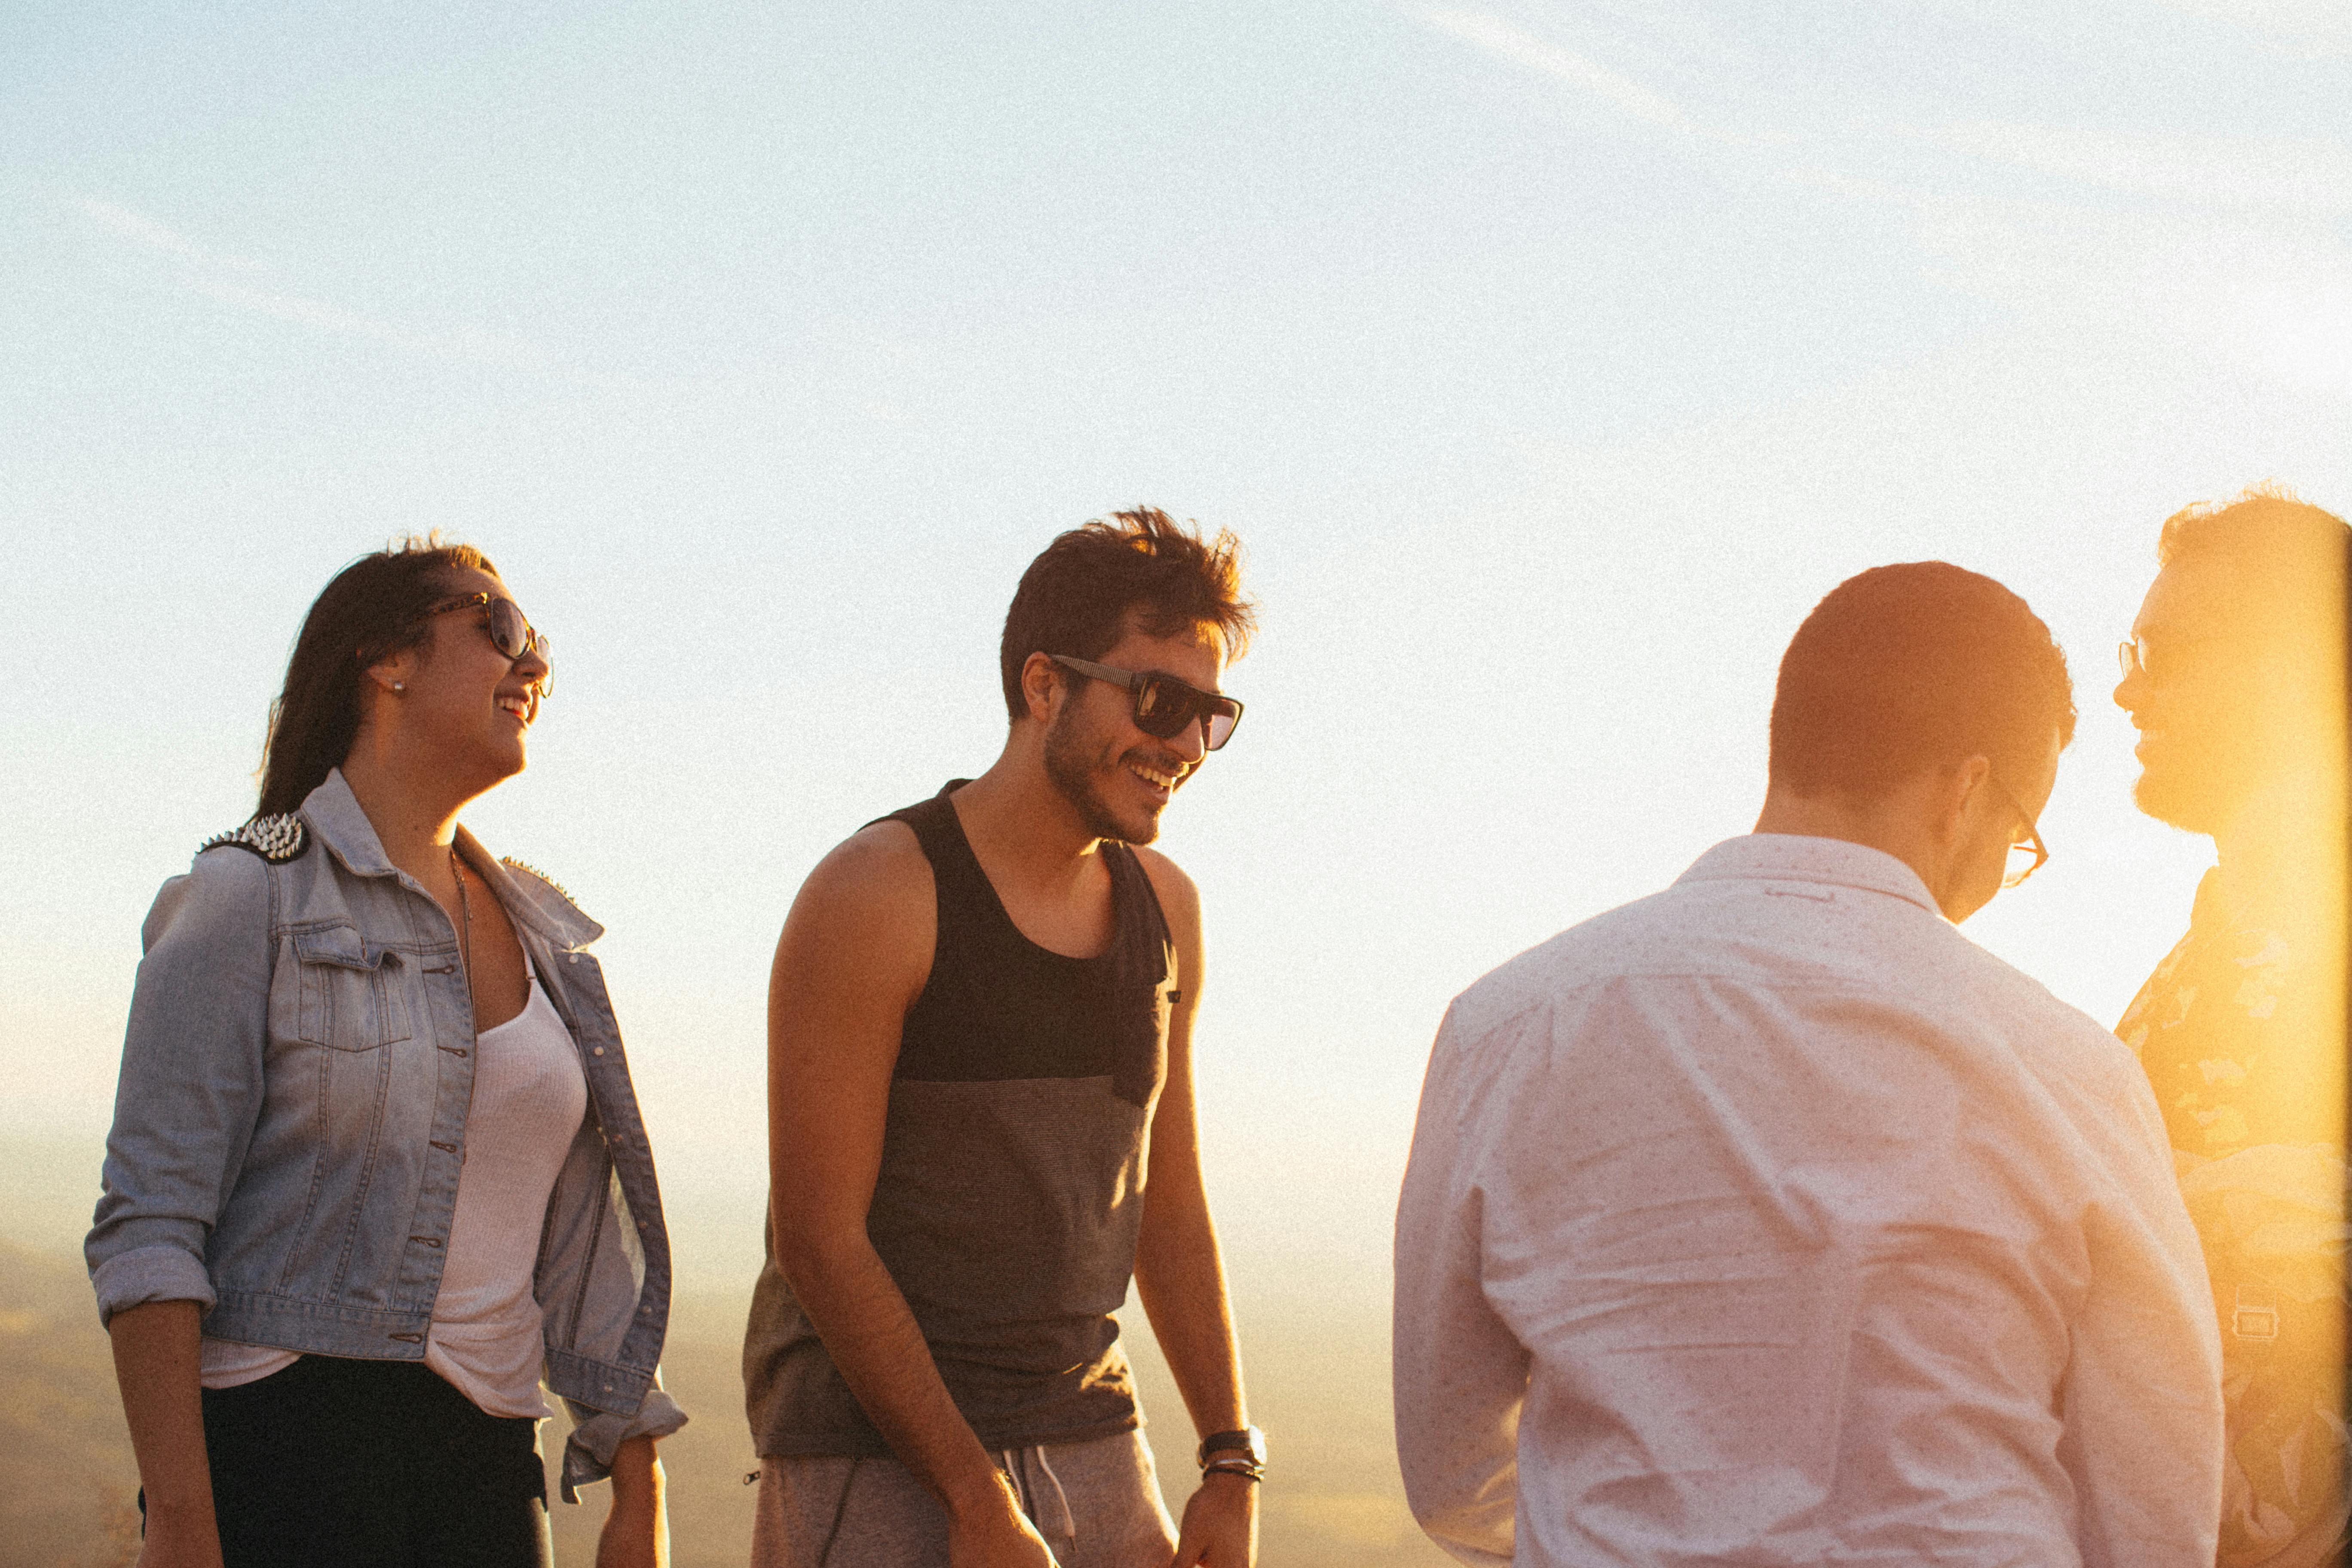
(876, 876)
(1177, 892)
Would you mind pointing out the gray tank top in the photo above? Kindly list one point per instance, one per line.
(1011, 1187)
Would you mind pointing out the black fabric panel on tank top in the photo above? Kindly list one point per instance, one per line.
(998, 1006)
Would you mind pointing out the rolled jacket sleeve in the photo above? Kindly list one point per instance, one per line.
(191, 1084)
(603, 1321)
(597, 1435)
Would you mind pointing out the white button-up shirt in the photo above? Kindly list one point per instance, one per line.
(1768, 1220)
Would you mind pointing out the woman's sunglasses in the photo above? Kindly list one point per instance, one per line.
(1164, 706)
(510, 632)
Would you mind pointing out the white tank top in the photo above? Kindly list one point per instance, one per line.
(484, 1338)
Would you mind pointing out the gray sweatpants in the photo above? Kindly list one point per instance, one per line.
(1097, 1503)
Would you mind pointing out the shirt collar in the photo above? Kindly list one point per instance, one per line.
(1798, 857)
(335, 814)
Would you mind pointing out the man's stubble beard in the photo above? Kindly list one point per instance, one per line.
(2173, 802)
(2198, 787)
(1069, 770)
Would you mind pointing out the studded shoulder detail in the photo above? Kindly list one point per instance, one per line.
(511, 864)
(276, 839)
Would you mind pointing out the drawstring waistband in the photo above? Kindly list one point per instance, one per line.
(1047, 1505)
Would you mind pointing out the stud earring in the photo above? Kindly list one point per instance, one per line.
(400, 686)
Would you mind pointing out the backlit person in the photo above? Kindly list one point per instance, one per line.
(2234, 678)
(1768, 1220)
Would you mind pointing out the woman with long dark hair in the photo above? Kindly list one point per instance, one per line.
(376, 1164)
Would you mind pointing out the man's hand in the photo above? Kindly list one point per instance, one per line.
(995, 1534)
(1220, 1525)
(636, 1530)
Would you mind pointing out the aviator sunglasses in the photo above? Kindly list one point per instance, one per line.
(510, 632)
(1164, 706)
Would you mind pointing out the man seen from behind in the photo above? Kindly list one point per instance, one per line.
(1768, 1220)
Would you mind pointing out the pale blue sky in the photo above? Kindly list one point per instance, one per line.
(1551, 360)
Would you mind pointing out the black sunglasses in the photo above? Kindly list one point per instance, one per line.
(1164, 706)
(510, 634)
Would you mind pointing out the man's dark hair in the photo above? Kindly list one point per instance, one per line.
(1077, 598)
(1907, 667)
(2295, 560)
(2266, 531)
(369, 612)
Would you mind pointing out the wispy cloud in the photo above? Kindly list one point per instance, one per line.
(237, 283)
(2240, 258)
(1501, 39)
(140, 229)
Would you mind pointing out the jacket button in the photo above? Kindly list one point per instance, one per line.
(599, 1052)
(608, 1388)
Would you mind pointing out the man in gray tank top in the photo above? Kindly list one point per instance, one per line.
(981, 1118)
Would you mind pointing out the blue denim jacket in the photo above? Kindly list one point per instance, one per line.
(291, 1118)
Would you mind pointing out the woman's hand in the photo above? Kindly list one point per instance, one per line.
(158, 1359)
(636, 1531)
(193, 1543)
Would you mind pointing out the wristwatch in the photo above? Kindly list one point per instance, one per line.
(1248, 1442)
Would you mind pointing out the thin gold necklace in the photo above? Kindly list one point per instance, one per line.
(465, 921)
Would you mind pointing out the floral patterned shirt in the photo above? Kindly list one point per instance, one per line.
(2241, 1031)
(2237, 1029)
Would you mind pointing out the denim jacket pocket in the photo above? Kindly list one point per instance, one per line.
(347, 993)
